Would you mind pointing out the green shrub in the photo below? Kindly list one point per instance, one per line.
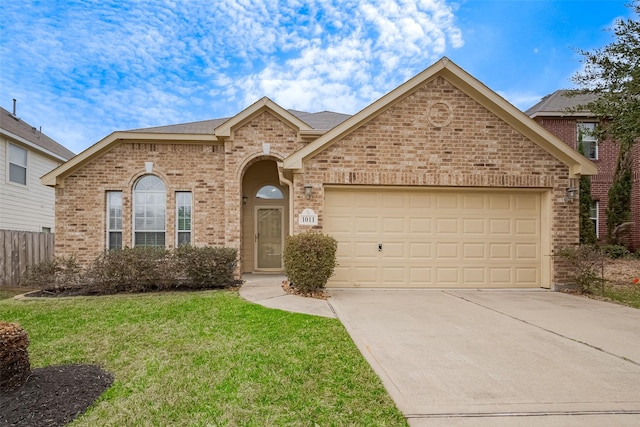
(615, 251)
(205, 267)
(588, 263)
(139, 269)
(58, 273)
(309, 260)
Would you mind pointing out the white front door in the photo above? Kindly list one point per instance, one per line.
(269, 237)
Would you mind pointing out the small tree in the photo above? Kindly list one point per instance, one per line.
(587, 230)
(612, 74)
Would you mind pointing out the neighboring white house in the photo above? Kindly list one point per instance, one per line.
(26, 154)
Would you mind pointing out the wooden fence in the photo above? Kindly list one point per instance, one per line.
(18, 250)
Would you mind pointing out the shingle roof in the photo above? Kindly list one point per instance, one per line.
(324, 120)
(201, 127)
(559, 103)
(15, 126)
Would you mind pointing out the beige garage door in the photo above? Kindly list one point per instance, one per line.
(434, 238)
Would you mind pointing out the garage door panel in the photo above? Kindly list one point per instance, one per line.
(527, 275)
(393, 224)
(498, 202)
(447, 276)
(420, 225)
(365, 250)
(474, 276)
(475, 251)
(474, 201)
(367, 225)
(420, 251)
(474, 226)
(526, 226)
(435, 238)
(500, 226)
(447, 226)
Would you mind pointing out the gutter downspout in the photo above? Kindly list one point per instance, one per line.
(290, 185)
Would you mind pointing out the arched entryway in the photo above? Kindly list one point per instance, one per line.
(265, 215)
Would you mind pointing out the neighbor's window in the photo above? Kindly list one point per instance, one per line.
(17, 164)
(114, 219)
(593, 214)
(183, 217)
(269, 192)
(589, 141)
(149, 211)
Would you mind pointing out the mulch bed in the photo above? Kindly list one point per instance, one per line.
(290, 289)
(53, 396)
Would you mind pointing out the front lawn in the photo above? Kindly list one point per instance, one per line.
(206, 359)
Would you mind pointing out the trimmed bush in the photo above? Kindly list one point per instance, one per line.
(14, 356)
(309, 260)
(58, 273)
(139, 269)
(206, 267)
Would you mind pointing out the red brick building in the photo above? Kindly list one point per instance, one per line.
(553, 113)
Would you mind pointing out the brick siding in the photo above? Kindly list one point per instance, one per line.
(405, 146)
(437, 136)
(565, 128)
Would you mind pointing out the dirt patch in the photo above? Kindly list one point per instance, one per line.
(53, 396)
(622, 271)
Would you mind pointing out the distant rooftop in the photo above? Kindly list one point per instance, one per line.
(323, 120)
(13, 126)
(559, 103)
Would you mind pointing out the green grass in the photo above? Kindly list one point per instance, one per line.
(627, 295)
(206, 359)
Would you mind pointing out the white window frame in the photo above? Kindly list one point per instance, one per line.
(114, 229)
(10, 163)
(178, 206)
(588, 139)
(595, 219)
(135, 206)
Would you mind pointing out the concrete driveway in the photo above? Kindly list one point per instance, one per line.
(460, 358)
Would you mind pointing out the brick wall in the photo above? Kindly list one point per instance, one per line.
(81, 202)
(438, 136)
(565, 128)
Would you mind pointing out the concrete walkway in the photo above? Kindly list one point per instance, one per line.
(266, 290)
(487, 358)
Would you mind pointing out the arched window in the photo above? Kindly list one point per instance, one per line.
(269, 192)
(149, 211)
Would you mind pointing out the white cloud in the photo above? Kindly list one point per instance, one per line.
(109, 65)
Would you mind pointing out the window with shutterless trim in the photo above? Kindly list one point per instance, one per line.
(17, 164)
(114, 219)
(587, 137)
(183, 218)
(149, 211)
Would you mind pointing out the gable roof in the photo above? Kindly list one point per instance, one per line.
(21, 131)
(559, 104)
(213, 130)
(455, 75)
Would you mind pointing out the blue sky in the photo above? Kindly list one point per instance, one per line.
(82, 69)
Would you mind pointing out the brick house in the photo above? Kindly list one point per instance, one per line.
(439, 183)
(553, 113)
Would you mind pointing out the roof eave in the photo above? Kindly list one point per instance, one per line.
(577, 163)
(32, 145)
(56, 176)
(263, 104)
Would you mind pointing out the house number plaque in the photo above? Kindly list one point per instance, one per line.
(308, 217)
